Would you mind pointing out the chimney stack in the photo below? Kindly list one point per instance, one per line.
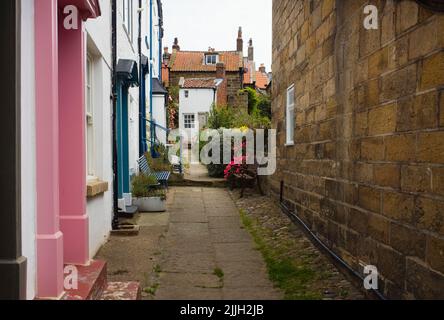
(250, 50)
(220, 70)
(240, 41)
(176, 46)
(166, 55)
(262, 68)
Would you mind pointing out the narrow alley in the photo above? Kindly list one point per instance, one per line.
(200, 249)
(275, 150)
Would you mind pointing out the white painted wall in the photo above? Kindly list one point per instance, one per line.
(28, 151)
(127, 48)
(159, 115)
(99, 209)
(199, 100)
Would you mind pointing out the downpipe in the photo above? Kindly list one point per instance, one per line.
(318, 242)
(115, 220)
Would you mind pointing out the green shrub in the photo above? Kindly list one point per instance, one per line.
(258, 102)
(142, 187)
(228, 117)
(161, 163)
(221, 117)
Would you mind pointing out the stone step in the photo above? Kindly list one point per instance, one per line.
(122, 291)
(204, 183)
(92, 282)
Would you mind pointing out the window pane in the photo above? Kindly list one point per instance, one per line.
(290, 115)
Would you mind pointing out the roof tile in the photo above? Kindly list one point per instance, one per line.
(194, 61)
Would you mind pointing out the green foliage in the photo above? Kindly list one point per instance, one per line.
(221, 117)
(218, 272)
(142, 187)
(161, 163)
(228, 117)
(258, 102)
(291, 276)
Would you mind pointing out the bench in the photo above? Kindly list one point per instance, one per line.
(247, 178)
(161, 176)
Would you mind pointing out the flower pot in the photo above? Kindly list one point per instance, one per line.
(150, 204)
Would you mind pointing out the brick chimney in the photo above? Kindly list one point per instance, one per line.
(222, 89)
(220, 70)
(250, 50)
(262, 68)
(166, 55)
(240, 41)
(176, 46)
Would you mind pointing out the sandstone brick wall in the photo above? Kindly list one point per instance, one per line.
(234, 83)
(366, 172)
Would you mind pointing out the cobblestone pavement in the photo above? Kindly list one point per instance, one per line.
(323, 281)
(205, 252)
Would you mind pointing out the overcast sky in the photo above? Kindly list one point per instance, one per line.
(200, 24)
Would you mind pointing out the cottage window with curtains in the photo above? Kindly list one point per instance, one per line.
(89, 95)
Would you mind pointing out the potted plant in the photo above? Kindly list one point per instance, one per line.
(147, 195)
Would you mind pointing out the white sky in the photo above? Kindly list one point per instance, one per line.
(200, 24)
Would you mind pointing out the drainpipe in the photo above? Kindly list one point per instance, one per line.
(115, 221)
(151, 81)
(159, 4)
(141, 85)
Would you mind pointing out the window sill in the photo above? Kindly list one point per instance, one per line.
(96, 188)
(289, 144)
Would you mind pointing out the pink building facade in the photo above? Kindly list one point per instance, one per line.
(61, 219)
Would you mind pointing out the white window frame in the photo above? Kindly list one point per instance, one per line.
(128, 18)
(89, 112)
(189, 121)
(290, 118)
(209, 59)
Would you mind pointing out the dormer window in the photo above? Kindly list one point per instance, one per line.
(211, 59)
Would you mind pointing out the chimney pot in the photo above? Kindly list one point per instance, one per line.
(176, 46)
(240, 41)
(251, 51)
(262, 68)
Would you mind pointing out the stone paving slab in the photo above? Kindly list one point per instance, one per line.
(229, 235)
(185, 280)
(236, 252)
(224, 222)
(205, 239)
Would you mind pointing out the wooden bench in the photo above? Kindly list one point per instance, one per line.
(247, 177)
(161, 176)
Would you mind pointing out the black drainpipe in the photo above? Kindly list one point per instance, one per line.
(115, 222)
(142, 124)
(322, 246)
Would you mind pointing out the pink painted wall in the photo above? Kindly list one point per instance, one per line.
(49, 237)
(72, 144)
(62, 223)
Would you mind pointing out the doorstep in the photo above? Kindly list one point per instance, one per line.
(93, 285)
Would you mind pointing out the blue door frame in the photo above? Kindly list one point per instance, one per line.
(122, 140)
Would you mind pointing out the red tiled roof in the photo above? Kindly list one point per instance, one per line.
(262, 80)
(199, 83)
(194, 61)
